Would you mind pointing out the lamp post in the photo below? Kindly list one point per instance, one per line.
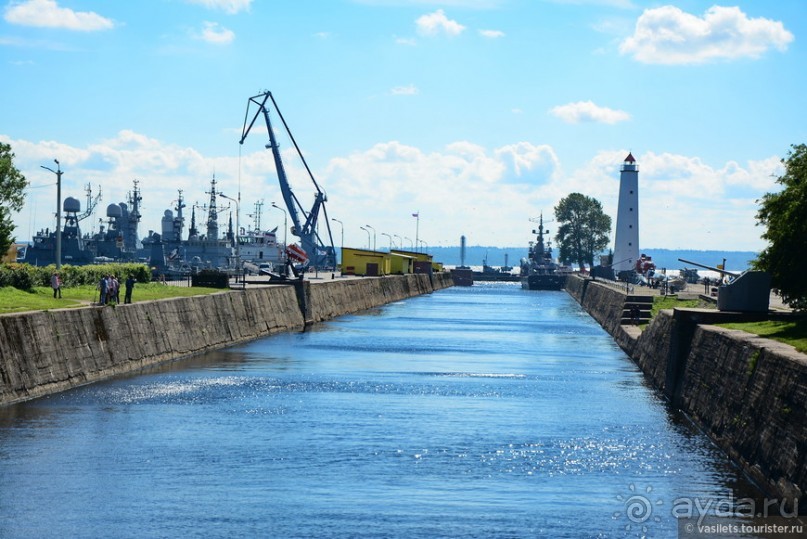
(237, 229)
(400, 240)
(411, 245)
(390, 240)
(342, 227)
(374, 236)
(58, 173)
(425, 246)
(368, 237)
(285, 230)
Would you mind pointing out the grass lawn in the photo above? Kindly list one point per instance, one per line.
(671, 302)
(793, 332)
(13, 300)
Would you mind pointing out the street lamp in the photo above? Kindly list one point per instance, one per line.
(425, 246)
(58, 173)
(368, 237)
(285, 222)
(237, 229)
(390, 240)
(285, 229)
(374, 236)
(342, 227)
(411, 245)
(400, 240)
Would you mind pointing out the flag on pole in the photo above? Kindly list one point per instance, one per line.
(416, 214)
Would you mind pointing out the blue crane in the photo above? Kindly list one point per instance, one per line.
(304, 223)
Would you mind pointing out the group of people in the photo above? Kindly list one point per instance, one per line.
(109, 289)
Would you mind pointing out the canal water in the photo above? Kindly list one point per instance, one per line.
(488, 411)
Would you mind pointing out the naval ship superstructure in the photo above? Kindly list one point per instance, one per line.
(76, 249)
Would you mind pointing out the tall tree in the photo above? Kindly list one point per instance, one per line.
(583, 230)
(785, 216)
(12, 185)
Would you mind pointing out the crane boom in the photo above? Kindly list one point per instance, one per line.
(306, 230)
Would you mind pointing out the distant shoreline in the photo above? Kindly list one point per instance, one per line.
(664, 258)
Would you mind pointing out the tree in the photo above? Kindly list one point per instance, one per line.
(583, 231)
(785, 216)
(12, 184)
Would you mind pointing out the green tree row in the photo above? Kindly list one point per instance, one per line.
(26, 277)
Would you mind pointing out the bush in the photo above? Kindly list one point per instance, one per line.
(20, 276)
(25, 276)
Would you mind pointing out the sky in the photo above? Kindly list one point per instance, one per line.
(478, 116)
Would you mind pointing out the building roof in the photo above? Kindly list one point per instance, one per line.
(630, 158)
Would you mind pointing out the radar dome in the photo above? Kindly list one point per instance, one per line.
(71, 205)
(113, 210)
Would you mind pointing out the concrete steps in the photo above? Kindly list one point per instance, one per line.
(636, 309)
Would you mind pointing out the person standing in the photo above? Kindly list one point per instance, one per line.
(102, 288)
(115, 289)
(56, 284)
(129, 284)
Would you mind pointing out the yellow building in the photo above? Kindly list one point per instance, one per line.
(402, 264)
(13, 249)
(422, 262)
(365, 263)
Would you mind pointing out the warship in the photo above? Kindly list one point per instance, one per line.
(75, 247)
(539, 271)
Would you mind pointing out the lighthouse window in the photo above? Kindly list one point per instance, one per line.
(630, 226)
(631, 209)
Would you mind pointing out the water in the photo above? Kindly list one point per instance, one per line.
(473, 412)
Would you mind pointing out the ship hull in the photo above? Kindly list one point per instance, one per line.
(543, 282)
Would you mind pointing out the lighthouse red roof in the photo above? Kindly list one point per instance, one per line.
(630, 158)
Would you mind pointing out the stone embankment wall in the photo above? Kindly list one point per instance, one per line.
(49, 351)
(748, 394)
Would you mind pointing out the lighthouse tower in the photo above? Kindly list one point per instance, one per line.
(626, 245)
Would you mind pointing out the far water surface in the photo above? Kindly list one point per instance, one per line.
(488, 411)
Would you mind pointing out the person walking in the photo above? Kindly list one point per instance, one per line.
(56, 284)
(129, 284)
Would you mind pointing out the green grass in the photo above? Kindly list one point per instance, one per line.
(793, 332)
(13, 300)
(672, 302)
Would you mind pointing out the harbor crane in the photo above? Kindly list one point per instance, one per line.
(304, 224)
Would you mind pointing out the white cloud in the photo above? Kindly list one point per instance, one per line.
(587, 111)
(491, 34)
(487, 194)
(667, 35)
(216, 34)
(322, 35)
(405, 90)
(437, 23)
(408, 41)
(228, 6)
(48, 14)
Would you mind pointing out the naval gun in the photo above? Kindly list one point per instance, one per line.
(304, 222)
(748, 291)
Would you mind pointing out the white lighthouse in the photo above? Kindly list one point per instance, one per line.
(626, 245)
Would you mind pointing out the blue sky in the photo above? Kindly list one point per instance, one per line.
(477, 114)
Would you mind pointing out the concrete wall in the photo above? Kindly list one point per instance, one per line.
(49, 351)
(748, 394)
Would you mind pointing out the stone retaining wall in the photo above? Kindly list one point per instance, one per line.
(748, 394)
(45, 352)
